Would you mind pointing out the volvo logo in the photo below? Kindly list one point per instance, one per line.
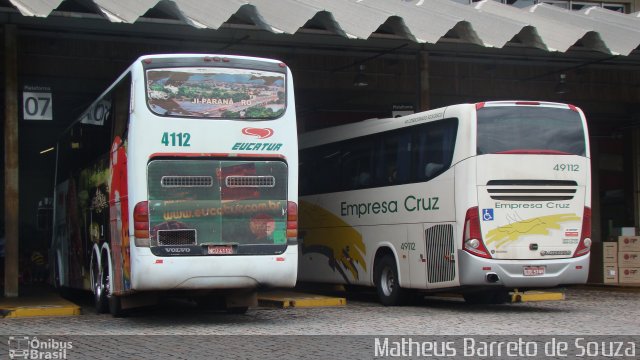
(177, 250)
(554, 252)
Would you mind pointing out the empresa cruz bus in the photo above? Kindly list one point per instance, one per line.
(480, 198)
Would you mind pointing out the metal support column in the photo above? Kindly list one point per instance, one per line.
(11, 161)
(424, 91)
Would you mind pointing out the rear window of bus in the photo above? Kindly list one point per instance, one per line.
(504, 129)
(216, 93)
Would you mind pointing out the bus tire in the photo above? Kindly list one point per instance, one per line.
(114, 302)
(115, 306)
(97, 286)
(387, 285)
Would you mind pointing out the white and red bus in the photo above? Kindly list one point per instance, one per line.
(182, 176)
(478, 198)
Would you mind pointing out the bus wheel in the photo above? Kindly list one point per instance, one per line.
(98, 281)
(386, 279)
(115, 306)
(113, 301)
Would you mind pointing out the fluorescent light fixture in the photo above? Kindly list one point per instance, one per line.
(47, 150)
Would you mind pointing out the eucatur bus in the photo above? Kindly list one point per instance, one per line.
(181, 178)
(480, 198)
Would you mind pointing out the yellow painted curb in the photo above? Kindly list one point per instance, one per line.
(42, 310)
(299, 300)
(527, 296)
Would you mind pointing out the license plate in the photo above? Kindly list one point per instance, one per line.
(220, 249)
(533, 270)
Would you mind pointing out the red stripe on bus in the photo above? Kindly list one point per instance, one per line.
(277, 156)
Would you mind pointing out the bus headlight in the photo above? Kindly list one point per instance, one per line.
(587, 242)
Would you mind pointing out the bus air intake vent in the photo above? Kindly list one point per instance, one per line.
(440, 256)
(250, 181)
(186, 181)
(532, 190)
(176, 237)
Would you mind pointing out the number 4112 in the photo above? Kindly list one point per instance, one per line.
(176, 139)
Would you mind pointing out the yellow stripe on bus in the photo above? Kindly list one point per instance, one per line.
(535, 226)
(342, 242)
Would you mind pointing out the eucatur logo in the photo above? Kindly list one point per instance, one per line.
(260, 133)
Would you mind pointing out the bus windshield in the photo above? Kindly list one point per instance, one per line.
(531, 130)
(216, 93)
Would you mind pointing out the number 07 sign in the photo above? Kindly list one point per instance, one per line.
(37, 103)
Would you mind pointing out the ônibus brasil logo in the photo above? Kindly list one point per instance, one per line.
(26, 347)
(260, 133)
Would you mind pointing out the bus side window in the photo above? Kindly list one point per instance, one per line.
(433, 147)
(356, 164)
(389, 161)
(321, 167)
(395, 158)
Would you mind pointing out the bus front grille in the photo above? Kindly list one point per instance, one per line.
(440, 253)
(532, 190)
(250, 181)
(176, 237)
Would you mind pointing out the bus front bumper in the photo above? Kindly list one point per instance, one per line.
(476, 271)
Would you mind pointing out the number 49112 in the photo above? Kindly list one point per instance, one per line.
(176, 139)
(566, 167)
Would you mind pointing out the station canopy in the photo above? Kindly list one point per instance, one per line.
(486, 23)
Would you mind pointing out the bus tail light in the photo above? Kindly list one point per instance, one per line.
(472, 237)
(141, 223)
(292, 220)
(584, 246)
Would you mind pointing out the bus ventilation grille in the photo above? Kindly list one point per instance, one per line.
(186, 181)
(176, 237)
(532, 190)
(441, 263)
(250, 181)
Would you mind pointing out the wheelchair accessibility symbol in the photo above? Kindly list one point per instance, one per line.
(487, 214)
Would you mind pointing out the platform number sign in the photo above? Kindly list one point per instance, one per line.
(37, 103)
